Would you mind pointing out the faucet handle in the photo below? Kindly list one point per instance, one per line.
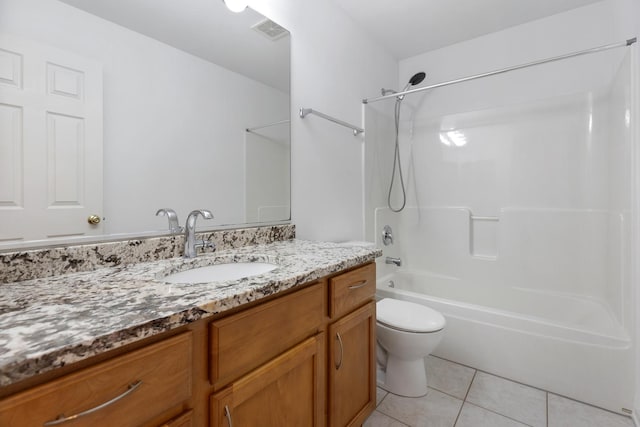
(174, 227)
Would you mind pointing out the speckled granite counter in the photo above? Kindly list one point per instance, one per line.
(50, 322)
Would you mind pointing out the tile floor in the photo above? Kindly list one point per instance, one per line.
(464, 397)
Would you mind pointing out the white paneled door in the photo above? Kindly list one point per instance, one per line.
(50, 142)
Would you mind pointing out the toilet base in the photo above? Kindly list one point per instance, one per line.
(406, 378)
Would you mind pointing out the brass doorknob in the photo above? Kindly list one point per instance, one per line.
(93, 219)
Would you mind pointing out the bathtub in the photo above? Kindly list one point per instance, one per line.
(580, 351)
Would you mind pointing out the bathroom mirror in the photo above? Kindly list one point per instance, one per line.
(117, 109)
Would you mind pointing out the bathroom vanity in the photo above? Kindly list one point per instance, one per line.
(291, 347)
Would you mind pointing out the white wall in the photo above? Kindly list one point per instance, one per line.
(635, 22)
(173, 123)
(334, 66)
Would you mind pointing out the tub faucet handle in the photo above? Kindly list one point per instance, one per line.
(387, 235)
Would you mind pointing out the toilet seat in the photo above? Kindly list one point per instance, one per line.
(408, 316)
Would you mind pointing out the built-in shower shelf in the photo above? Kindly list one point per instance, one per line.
(483, 237)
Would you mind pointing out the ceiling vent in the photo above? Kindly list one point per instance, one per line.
(270, 29)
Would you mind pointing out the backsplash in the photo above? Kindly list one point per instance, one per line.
(46, 262)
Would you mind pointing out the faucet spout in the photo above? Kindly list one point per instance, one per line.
(392, 260)
(190, 231)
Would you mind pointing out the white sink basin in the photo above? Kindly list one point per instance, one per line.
(220, 272)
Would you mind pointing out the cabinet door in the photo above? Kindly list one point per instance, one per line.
(287, 391)
(183, 420)
(352, 385)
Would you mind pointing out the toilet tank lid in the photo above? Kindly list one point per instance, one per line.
(408, 316)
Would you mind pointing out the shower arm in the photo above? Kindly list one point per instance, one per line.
(502, 70)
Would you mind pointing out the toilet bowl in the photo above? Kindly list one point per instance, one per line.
(407, 333)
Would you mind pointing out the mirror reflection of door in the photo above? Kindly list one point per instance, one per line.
(50, 142)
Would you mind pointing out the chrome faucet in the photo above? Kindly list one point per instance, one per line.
(190, 244)
(392, 260)
(172, 216)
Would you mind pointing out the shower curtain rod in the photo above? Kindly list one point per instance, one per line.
(267, 126)
(304, 111)
(503, 70)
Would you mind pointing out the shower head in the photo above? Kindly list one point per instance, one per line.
(416, 79)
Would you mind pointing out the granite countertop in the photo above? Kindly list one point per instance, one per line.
(51, 322)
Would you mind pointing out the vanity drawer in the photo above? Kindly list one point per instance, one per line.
(244, 341)
(350, 290)
(162, 372)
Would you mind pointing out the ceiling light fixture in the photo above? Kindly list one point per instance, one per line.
(235, 5)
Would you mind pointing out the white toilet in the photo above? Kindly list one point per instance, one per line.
(407, 333)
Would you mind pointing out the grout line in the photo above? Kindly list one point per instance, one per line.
(393, 418)
(589, 404)
(498, 413)
(547, 402)
(500, 376)
(459, 412)
(386, 393)
(451, 361)
(447, 394)
(464, 400)
(469, 387)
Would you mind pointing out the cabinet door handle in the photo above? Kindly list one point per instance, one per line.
(228, 415)
(62, 419)
(358, 285)
(339, 338)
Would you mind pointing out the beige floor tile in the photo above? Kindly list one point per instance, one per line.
(436, 409)
(519, 402)
(474, 416)
(448, 377)
(378, 419)
(565, 412)
(380, 394)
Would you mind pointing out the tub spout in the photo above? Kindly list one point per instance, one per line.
(392, 260)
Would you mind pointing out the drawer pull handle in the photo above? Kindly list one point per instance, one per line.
(358, 285)
(338, 365)
(62, 419)
(228, 415)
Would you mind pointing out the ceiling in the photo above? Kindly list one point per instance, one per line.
(204, 28)
(409, 27)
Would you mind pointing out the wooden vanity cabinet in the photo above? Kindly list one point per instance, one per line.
(267, 363)
(351, 347)
(243, 341)
(139, 385)
(306, 366)
(305, 358)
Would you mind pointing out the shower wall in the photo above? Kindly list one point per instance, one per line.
(520, 200)
(518, 181)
